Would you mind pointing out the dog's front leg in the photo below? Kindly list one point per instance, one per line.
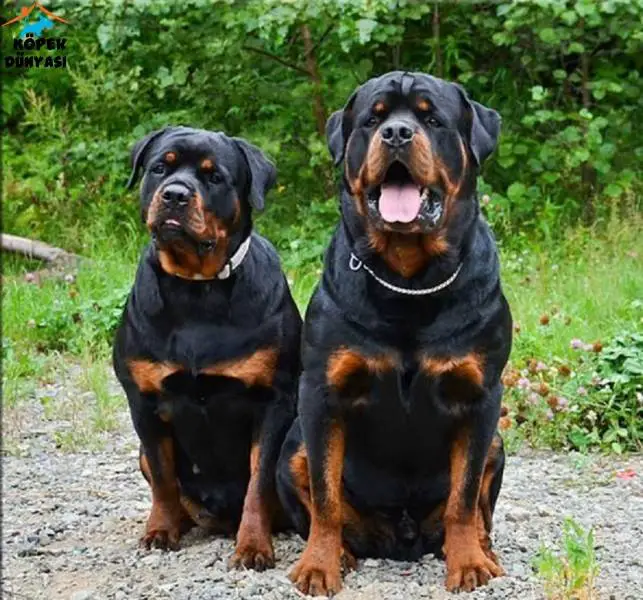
(468, 565)
(157, 462)
(318, 571)
(254, 548)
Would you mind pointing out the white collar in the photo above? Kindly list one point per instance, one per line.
(233, 263)
(235, 260)
(355, 264)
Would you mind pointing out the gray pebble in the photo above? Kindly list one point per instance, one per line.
(517, 514)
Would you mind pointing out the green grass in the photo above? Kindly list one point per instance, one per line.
(94, 379)
(588, 291)
(569, 573)
(588, 287)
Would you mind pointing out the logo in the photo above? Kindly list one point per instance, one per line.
(30, 39)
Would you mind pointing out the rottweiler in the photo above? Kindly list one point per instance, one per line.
(395, 451)
(208, 347)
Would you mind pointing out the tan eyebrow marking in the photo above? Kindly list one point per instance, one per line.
(207, 164)
(423, 104)
(170, 157)
(379, 107)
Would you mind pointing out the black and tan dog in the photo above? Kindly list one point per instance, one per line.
(395, 451)
(208, 348)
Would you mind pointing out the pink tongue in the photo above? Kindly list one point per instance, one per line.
(399, 203)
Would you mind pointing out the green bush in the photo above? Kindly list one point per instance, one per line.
(565, 75)
(595, 403)
(563, 189)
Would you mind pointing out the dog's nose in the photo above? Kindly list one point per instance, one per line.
(176, 193)
(397, 134)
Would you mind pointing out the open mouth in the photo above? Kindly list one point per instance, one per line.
(399, 200)
(173, 223)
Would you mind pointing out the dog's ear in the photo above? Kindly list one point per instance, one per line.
(482, 127)
(338, 129)
(137, 156)
(263, 174)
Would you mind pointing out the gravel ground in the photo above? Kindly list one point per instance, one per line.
(71, 522)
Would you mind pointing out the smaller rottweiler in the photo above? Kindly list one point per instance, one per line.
(208, 347)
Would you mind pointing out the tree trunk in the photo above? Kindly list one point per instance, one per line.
(588, 173)
(437, 49)
(319, 111)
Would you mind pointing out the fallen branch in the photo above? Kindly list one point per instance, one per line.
(37, 249)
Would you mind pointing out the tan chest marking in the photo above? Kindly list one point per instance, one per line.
(469, 367)
(256, 369)
(344, 362)
(148, 375)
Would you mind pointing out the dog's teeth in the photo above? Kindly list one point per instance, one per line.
(425, 193)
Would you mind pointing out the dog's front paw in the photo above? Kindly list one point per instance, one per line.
(164, 539)
(256, 554)
(318, 573)
(470, 568)
(163, 530)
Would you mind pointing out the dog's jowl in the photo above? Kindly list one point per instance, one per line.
(208, 347)
(395, 451)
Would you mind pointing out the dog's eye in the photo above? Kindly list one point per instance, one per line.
(159, 169)
(216, 177)
(432, 121)
(372, 122)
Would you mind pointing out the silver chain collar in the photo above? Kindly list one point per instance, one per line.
(355, 264)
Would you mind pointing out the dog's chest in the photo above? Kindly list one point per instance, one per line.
(401, 410)
(416, 384)
(200, 339)
(201, 364)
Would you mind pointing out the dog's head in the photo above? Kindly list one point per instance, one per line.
(411, 146)
(198, 190)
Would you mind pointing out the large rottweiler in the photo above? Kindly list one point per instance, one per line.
(208, 347)
(395, 452)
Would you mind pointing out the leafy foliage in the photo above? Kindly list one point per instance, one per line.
(596, 403)
(565, 75)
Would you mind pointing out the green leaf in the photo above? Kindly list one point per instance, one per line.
(365, 28)
(569, 17)
(580, 155)
(599, 93)
(506, 161)
(538, 93)
(549, 36)
(104, 35)
(550, 177)
(516, 191)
